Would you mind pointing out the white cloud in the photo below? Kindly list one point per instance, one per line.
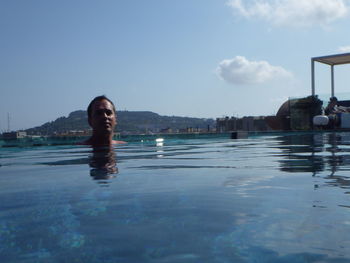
(344, 49)
(239, 70)
(295, 13)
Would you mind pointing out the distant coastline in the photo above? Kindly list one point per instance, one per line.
(129, 122)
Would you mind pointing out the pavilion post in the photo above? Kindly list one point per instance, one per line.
(332, 79)
(312, 77)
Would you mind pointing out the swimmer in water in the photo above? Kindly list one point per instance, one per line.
(102, 118)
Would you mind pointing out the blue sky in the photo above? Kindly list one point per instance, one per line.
(187, 58)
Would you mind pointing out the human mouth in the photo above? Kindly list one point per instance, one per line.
(106, 124)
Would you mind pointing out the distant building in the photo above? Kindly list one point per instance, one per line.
(166, 130)
(226, 124)
(79, 132)
(250, 123)
(74, 133)
(14, 135)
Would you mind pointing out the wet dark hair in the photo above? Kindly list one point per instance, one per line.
(99, 98)
(333, 99)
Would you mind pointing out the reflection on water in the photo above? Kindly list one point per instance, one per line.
(101, 160)
(299, 153)
(267, 199)
(315, 152)
(319, 153)
(103, 163)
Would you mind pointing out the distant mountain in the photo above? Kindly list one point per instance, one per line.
(132, 122)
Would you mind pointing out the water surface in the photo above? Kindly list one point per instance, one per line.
(262, 199)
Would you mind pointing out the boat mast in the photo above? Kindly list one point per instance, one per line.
(8, 122)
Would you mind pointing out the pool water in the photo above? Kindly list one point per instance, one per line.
(261, 199)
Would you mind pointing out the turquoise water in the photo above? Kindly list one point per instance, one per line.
(261, 199)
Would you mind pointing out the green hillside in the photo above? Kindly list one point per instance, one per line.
(132, 122)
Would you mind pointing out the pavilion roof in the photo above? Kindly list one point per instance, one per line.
(334, 59)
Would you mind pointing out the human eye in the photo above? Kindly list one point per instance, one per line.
(99, 112)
